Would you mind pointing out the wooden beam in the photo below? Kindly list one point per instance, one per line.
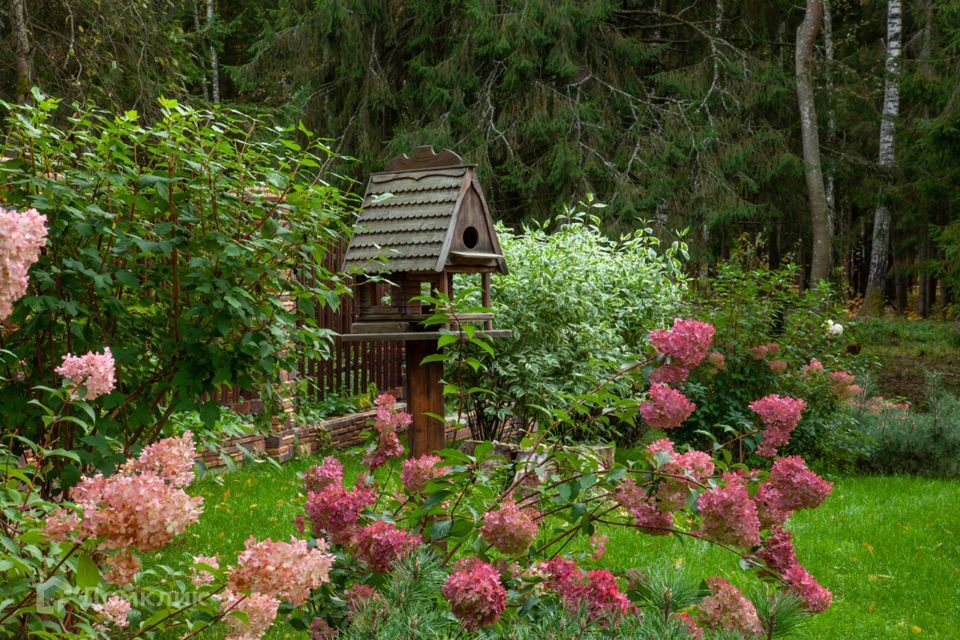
(424, 397)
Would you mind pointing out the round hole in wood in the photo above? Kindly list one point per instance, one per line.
(471, 237)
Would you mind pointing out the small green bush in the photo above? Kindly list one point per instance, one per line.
(579, 304)
(924, 444)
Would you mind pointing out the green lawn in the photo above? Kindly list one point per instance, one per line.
(887, 547)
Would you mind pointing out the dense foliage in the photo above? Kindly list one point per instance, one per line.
(579, 305)
(190, 247)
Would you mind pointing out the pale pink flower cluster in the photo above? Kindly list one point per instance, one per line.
(878, 404)
(475, 594)
(510, 529)
(61, 525)
(259, 611)
(417, 472)
(762, 351)
(142, 511)
(641, 506)
(790, 486)
(726, 608)
(199, 575)
(387, 422)
(381, 544)
(777, 366)
(717, 360)
(780, 415)
(170, 459)
(318, 477)
(729, 516)
(667, 408)
(22, 235)
(843, 385)
(685, 344)
(812, 368)
(94, 372)
(597, 593)
(680, 473)
(335, 511)
(122, 568)
(115, 610)
(286, 570)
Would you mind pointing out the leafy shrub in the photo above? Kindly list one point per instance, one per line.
(767, 331)
(171, 243)
(579, 305)
(925, 444)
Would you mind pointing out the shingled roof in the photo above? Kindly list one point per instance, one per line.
(409, 213)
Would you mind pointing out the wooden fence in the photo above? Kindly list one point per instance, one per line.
(352, 366)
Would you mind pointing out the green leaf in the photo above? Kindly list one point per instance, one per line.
(88, 574)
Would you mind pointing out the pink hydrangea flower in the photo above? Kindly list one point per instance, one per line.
(597, 592)
(285, 570)
(260, 610)
(381, 544)
(94, 372)
(121, 568)
(764, 350)
(693, 629)
(680, 473)
(717, 360)
(318, 477)
(61, 525)
(777, 552)
(141, 511)
(641, 506)
(387, 422)
(686, 343)
(417, 472)
(812, 368)
(780, 415)
(843, 385)
(200, 576)
(777, 366)
(170, 459)
(335, 511)
(320, 629)
(598, 542)
(798, 487)
(22, 235)
(475, 594)
(817, 597)
(669, 374)
(726, 608)
(770, 509)
(667, 408)
(115, 610)
(729, 516)
(510, 529)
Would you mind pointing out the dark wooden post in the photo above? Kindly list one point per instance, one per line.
(424, 396)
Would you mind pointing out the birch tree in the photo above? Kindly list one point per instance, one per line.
(880, 246)
(822, 255)
(214, 63)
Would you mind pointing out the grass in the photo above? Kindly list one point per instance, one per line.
(888, 547)
(904, 351)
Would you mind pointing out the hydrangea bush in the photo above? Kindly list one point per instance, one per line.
(498, 530)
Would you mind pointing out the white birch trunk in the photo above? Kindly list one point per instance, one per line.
(214, 64)
(822, 255)
(828, 50)
(197, 29)
(880, 246)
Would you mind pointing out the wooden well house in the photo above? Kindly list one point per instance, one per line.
(424, 219)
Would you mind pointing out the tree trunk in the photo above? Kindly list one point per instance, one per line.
(831, 111)
(214, 64)
(880, 247)
(197, 29)
(21, 51)
(821, 256)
